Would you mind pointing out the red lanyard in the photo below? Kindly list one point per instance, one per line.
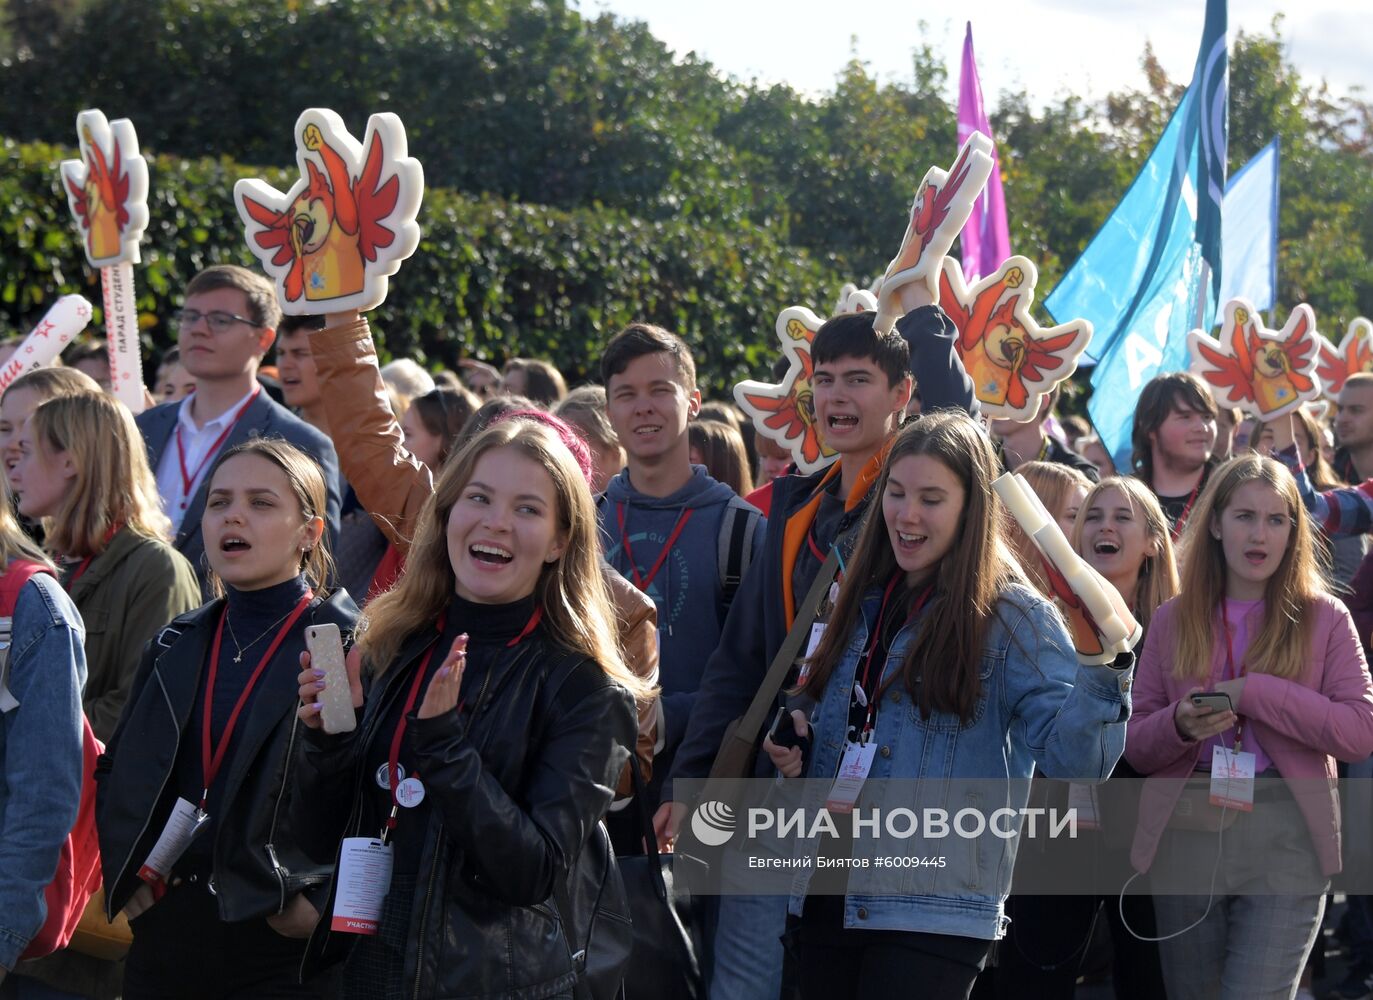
(189, 479)
(877, 638)
(393, 757)
(85, 564)
(1182, 518)
(1230, 672)
(212, 757)
(642, 582)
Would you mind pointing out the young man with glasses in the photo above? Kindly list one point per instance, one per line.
(226, 326)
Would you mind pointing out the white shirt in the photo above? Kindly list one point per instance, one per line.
(195, 445)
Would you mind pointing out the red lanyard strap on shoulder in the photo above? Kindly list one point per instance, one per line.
(642, 582)
(877, 639)
(188, 478)
(212, 757)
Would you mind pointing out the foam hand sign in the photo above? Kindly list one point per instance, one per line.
(1264, 373)
(1012, 361)
(853, 299)
(786, 412)
(942, 205)
(1354, 355)
(107, 189)
(332, 241)
(1101, 624)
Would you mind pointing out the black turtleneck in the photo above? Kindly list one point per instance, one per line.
(255, 617)
(491, 629)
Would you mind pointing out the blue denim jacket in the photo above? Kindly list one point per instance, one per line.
(40, 753)
(1038, 707)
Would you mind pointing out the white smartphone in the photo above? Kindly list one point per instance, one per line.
(326, 653)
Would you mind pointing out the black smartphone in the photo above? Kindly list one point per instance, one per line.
(1216, 701)
(783, 733)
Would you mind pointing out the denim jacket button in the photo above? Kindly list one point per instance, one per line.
(885, 751)
(862, 913)
(896, 697)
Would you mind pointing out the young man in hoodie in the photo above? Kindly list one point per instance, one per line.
(662, 518)
(862, 384)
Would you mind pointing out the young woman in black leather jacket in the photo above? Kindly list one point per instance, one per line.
(496, 694)
(227, 918)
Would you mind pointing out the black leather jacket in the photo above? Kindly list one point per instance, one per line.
(258, 861)
(521, 782)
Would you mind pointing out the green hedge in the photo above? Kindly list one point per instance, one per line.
(491, 279)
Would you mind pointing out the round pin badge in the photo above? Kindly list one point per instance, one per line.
(834, 594)
(382, 782)
(410, 793)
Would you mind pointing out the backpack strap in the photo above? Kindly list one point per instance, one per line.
(19, 572)
(735, 547)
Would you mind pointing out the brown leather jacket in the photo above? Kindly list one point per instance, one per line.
(393, 486)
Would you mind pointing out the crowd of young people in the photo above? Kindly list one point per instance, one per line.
(566, 598)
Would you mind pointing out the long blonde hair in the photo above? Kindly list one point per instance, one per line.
(114, 485)
(1281, 645)
(572, 590)
(1052, 483)
(941, 670)
(1158, 574)
(14, 543)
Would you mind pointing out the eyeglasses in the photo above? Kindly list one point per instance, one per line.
(217, 321)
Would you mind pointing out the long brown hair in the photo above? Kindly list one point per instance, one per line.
(723, 454)
(306, 481)
(1158, 574)
(941, 670)
(1281, 645)
(572, 591)
(114, 485)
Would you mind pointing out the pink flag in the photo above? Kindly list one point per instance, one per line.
(986, 240)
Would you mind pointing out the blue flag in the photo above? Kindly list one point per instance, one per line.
(1152, 271)
(1249, 242)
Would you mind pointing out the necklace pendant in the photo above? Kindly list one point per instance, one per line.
(238, 658)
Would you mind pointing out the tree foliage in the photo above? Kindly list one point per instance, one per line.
(580, 174)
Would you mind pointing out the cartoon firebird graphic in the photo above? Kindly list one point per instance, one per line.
(1264, 373)
(942, 205)
(335, 237)
(1011, 360)
(786, 412)
(107, 189)
(1354, 355)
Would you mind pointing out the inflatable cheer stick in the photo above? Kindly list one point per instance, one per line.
(1013, 362)
(1354, 355)
(1101, 624)
(68, 317)
(334, 239)
(786, 412)
(1266, 374)
(107, 192)
(942, 205)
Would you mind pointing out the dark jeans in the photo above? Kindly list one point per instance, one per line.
(181, 949)
(834, 962)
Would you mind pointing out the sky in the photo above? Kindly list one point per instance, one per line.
(1047, 47)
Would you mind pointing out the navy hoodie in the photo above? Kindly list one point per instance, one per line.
(686, 588)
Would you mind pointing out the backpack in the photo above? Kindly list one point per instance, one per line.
(735, 547)
(78, 868)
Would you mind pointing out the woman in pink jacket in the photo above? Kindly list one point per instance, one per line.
(1240, 888)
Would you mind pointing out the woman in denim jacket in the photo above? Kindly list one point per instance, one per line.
(40, 740)
(941, 665)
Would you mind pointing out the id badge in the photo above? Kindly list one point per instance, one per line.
(817, 632)
(1232, 779)
(183, 825)
(853, 771)
(1082, 799)
(364, 879)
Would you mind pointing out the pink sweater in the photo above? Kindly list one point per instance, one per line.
(1303, 725)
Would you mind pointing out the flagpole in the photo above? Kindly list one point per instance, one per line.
(1201, 299)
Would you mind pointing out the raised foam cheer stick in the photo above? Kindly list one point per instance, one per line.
(334, 239)
(942, 205)
(1354, 355)
(1265, 373)
(68, 317)
(107, 191)
(1101, 624)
